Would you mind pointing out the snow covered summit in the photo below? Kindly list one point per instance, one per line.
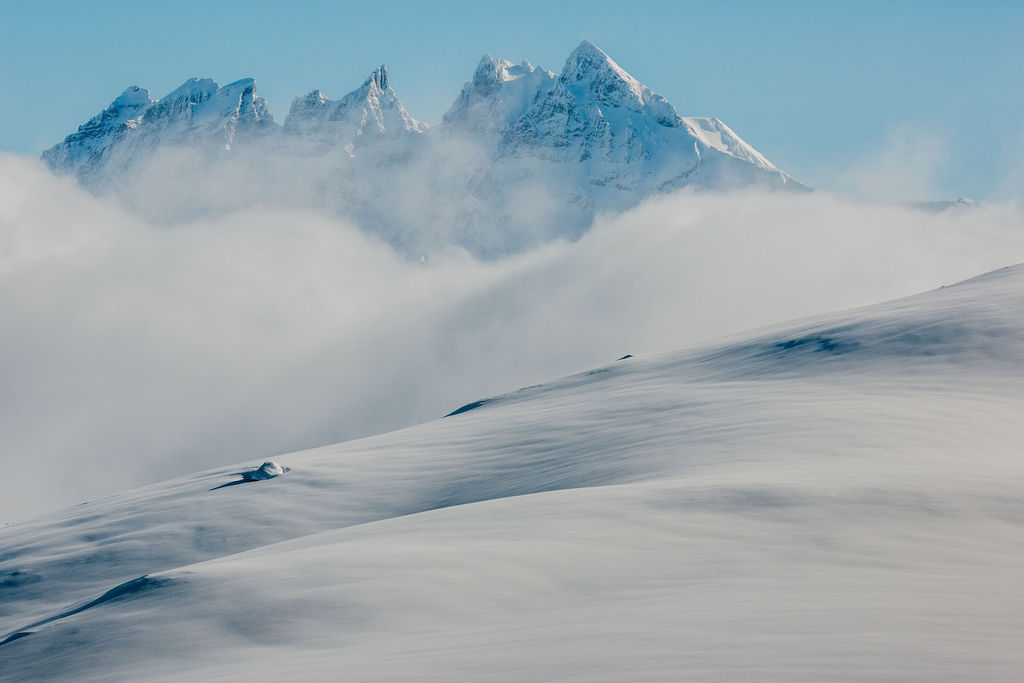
(128, 132)
(630, 137)
(369, 113)
(592, 138)
(590, 74)
(497, 95)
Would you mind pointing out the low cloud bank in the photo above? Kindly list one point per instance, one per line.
(134, 351)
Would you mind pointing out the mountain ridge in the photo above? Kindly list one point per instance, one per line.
(587, 70)
(592, 138)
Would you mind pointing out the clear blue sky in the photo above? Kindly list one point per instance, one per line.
(818, 87)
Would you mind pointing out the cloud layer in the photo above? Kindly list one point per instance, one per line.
(134, 351)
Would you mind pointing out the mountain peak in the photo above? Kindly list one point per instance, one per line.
(606, 134)
(587, 47)
(133, 96)
(590, 75)
(378, 79)
(492, 70)
(371, 111)
(588, 59)
(194, 89)
(498, 93)
(240, 84)
(134, 125)
(487, 66)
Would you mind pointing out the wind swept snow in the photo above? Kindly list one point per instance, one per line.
(835, 499)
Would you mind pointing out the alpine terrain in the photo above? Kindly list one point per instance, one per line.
(592, 138)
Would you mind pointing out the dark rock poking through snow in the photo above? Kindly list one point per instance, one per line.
(468, 407)
(267, 470)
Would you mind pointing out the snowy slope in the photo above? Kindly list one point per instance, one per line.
(833, 499)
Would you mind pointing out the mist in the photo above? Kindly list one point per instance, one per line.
(139, 345)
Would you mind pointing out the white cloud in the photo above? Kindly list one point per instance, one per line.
(133, 352)
(905, 167)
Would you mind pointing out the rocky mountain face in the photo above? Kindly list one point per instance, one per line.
(128, 132)
(517, 137)
(622, 136)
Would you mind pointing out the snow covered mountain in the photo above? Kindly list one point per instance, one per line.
(960, 203)
(617, 139)
(596, 112)
(129, 132)
(369, 114)
(497, 95)
(834, 499)
(592, 138)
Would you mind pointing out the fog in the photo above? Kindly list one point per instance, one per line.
(136, 349)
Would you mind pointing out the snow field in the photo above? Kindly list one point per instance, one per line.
(835, 499)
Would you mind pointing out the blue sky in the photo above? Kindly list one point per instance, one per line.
(924, 96)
